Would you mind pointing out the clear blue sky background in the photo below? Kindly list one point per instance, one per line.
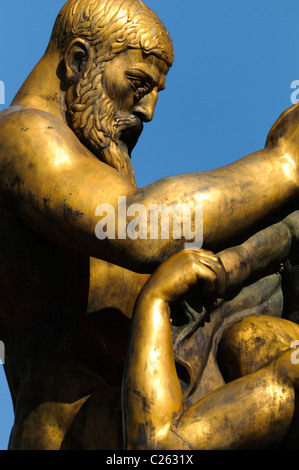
(235, 62)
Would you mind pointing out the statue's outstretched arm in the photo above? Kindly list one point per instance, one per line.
(231, 417)
(56, 186)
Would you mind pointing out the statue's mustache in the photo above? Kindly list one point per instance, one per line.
(127, 128)
(127, 121)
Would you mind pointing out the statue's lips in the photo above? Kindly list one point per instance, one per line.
(129, 129)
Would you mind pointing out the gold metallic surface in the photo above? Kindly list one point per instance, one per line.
(126, 343)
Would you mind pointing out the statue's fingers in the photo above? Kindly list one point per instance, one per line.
(214, 263)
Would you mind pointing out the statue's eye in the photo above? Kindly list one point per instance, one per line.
(136, 83)
(142, 86)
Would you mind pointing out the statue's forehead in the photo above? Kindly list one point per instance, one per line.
(140, 64)
(135, 58)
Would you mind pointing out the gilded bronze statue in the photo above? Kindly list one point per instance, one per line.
(136, 342)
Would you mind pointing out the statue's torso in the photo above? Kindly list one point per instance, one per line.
(64, 319)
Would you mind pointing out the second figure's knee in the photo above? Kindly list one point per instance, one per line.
(250, 344)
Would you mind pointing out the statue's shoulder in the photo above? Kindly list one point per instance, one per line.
(286, 125)
(19, 115)
(33, 126)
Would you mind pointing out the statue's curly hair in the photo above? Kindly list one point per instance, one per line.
(113, 26)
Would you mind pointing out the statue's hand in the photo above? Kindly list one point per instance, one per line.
(185, 271)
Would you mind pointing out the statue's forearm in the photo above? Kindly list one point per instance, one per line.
(234, 198)
(265, 251)
(152, 395)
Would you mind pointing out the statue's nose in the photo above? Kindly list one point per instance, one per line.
(145, 108)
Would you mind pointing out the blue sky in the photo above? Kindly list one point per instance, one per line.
(235, 62)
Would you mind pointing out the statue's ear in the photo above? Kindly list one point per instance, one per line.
(76, 56)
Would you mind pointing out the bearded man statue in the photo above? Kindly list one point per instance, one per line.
(99, 35)
(68, 297)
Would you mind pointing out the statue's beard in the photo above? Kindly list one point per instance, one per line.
(111, 136)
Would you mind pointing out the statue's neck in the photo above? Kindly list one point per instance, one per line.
(42, 88)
